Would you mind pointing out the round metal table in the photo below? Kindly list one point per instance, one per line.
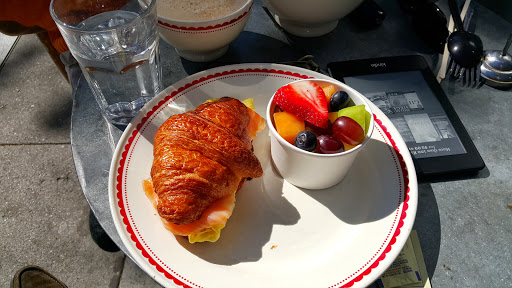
(448, 230)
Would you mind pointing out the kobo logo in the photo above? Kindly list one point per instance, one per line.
(375, 65)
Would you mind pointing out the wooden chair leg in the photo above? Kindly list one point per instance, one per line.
(54, 54)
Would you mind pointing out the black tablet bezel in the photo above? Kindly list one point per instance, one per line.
(426, 168)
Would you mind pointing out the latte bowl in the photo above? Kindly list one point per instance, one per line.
(311, 170)
(204, 40)
(310, 18)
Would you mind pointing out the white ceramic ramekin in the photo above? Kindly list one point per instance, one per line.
(202, 41)
(310, 18)
(312, 170)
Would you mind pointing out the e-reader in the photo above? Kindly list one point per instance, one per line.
(407, 92)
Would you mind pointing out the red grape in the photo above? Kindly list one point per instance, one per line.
(329, 144)
(319, 131)
(348, 130)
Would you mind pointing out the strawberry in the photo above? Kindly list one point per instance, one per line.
(306, 100)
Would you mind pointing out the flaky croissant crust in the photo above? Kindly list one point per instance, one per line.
(200, 157)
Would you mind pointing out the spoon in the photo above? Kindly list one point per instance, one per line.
(497, 67)
(465, 48)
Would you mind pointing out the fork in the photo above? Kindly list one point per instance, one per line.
(466, 76)
(469, 77)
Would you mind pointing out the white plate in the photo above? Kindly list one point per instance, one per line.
(278, 235)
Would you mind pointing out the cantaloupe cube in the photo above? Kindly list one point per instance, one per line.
(333, 116)
(329, 90)
(288, 125)
(348, 146)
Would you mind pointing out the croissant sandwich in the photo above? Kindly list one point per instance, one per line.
(201, 159)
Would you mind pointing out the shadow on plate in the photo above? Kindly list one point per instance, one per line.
(260, 206)
(372, 190)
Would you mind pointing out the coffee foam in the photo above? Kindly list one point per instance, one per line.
(197, 10)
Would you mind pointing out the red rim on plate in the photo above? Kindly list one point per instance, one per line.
(403, 215)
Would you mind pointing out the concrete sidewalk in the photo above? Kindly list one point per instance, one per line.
(44, 217)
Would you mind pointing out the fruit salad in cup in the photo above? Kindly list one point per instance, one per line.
(319, 117)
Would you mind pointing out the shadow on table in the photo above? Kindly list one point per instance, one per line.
(428, 223)
(484, 173)
(58, 115)
(249, 47)
(428, 226)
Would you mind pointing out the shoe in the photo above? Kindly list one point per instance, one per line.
(35, 277)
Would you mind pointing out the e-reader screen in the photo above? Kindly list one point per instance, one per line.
(412, 107)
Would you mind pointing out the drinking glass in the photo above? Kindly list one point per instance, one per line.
(116, 44)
